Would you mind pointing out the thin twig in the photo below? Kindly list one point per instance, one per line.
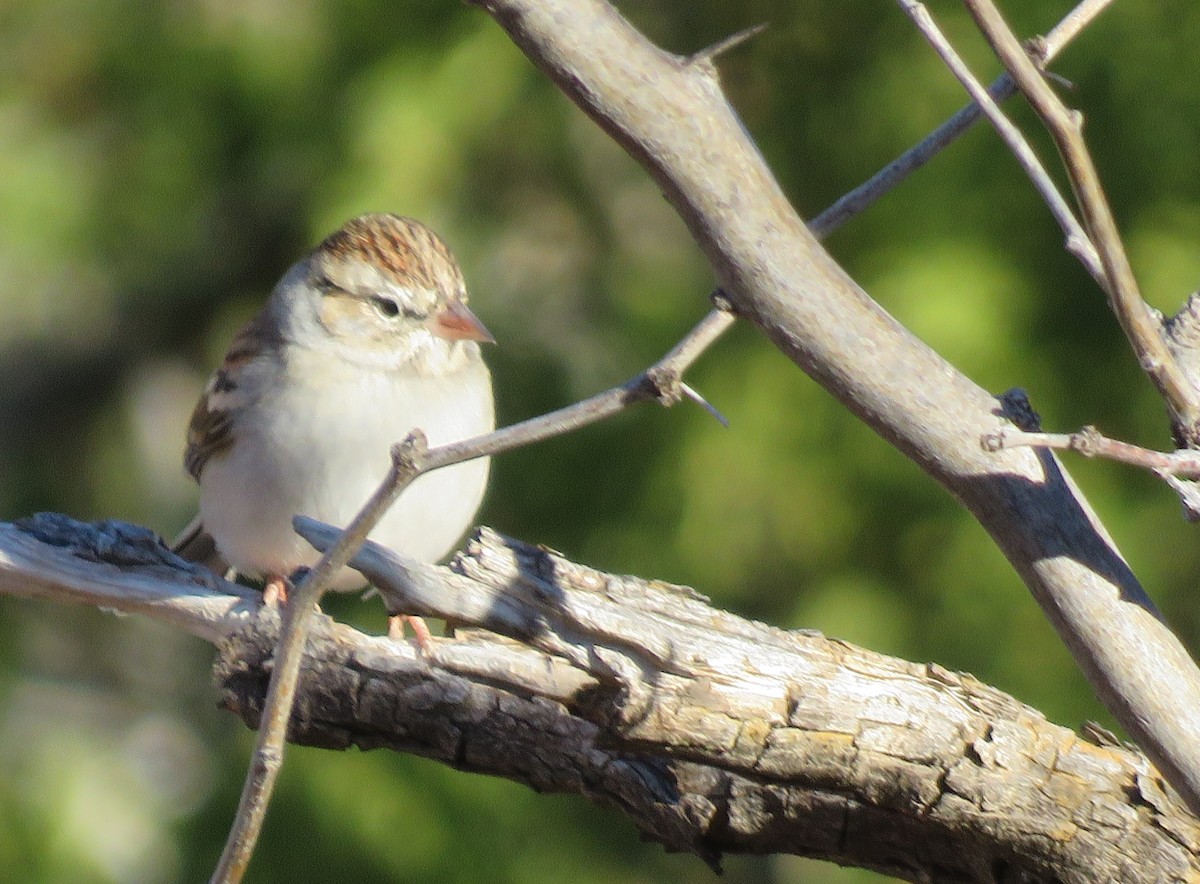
(1090, 442)
(1180, 469)
(891, 175)
(1077, 240)
(410, 459)
(1141, 325)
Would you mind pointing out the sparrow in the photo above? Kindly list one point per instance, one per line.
(363, 340)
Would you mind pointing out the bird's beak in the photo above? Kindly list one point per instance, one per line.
(455, 322)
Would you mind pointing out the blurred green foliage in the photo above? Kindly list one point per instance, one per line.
(162, 164)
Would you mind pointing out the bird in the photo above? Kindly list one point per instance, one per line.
(364, 339)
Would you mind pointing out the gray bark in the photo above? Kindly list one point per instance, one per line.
(712, 733)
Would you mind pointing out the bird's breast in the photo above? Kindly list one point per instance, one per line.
(321, 444)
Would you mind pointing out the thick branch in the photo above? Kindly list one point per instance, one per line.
(672, 117)
(118, 567)
(712, 733)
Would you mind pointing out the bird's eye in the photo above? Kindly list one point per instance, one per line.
(386, 306)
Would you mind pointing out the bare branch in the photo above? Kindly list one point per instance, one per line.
(1178, 469)
(1089, 442)
(673, 118)
(1077, 241)
(891, 175)
(1141, 324)
(118, 567)
(411, 459)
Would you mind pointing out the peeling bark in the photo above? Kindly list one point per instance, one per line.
(712, 733)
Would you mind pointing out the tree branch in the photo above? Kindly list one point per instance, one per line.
(1003, 88)
(1141, 324)
(1077, 241)
(672, 117)
(713, 734)
(1179, 469)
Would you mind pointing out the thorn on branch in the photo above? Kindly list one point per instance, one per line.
(721, 47)
(704, 403)
(1060, 80)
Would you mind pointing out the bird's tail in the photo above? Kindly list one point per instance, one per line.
(195, 544)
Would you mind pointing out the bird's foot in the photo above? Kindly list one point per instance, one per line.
(275, 591)
(421, 633)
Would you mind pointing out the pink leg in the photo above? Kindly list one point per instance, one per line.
(420, 629)
(275, 591)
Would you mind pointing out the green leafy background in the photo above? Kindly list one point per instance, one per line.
(161, 164)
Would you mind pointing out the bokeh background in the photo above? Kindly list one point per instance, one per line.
(162, 163)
